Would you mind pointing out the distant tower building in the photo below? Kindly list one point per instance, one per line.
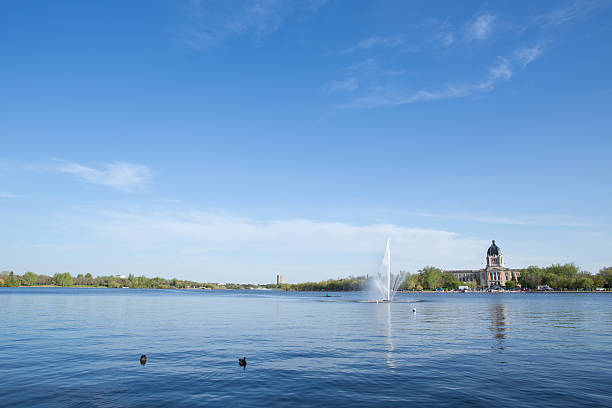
(494, 256)
(280, 279)
(495, 274)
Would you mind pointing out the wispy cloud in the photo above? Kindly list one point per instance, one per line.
(541, 220)
(8, 195)
(169, 200)
(440, 31)
(481, 27)
(376, 41)
(119, 175)
(527, 55)
(211, 25)
(569, 11)
(394, 96)
(347, 84)
(502, 70)
(446, 37)
(375, 91)
(361, 66)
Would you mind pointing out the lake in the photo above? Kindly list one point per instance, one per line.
(81, 347)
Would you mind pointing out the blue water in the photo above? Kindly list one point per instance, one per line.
(81, 347)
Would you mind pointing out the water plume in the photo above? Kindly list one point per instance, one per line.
(383, 286)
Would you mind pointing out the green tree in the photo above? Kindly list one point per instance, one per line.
(29, 278)
(558, 276)
(431, 277)
(44, 280)
(11, 280)
(62, 279)
(450, 281)
(405, 285)
(112, 283)
(584, 281)
(414, 281)
(510, 284)
(606, 276)
(531, 277)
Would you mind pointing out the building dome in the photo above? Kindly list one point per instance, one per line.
(493, 249)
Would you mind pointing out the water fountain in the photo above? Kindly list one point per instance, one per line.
(383, 286)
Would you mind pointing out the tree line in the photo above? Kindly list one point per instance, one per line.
(432, 278)
(561, 277)
(565, 277)
(66, 279)
(331, 285)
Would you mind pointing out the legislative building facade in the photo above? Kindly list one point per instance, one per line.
(495, 274)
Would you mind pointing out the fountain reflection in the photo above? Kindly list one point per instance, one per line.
(384, 318)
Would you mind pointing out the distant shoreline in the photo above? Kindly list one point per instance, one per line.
(318, 291)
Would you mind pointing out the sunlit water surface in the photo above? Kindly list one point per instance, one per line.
(81, 347)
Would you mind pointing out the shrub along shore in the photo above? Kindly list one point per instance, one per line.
(560, 277)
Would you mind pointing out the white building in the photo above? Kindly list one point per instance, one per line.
(495, 274)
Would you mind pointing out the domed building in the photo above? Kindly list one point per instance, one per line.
(495, 274)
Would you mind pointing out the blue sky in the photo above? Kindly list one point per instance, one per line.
(230, 141)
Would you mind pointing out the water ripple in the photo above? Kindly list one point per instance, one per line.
(80, 347)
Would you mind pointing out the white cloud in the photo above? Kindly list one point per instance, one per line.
(361, 66)
(120, 175)
(7, 195)
(376, 41)
(393, 96)
(541, 220)
(207, 246)
(447, 38)
(211, 25)
(481, 27)
(569, 11)
(526, 55)
(374, 92)
(347, 84)
(443, 32)
(227, 247)
(502, 70)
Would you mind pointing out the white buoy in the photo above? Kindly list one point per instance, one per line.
(413, 310)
